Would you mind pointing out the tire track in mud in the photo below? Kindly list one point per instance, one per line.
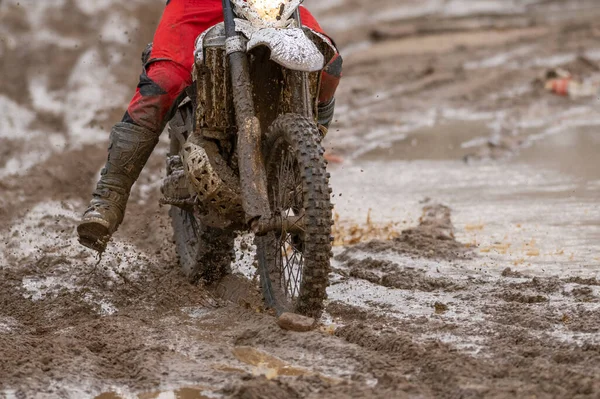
(150, 333)
(476, 335)
(64, 176)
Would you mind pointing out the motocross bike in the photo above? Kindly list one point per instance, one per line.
(246, 154)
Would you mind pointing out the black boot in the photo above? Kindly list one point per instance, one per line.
(129, 150)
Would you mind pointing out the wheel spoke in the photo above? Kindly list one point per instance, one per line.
(295, 277)
(288, 202)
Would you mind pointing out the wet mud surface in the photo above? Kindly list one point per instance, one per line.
(468, 257)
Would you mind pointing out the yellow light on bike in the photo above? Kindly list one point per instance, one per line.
(269, 10)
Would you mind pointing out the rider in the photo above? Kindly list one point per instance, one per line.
(166, 74)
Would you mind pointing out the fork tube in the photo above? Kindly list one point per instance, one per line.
(301, 85)
(253, 177)
(228, 18)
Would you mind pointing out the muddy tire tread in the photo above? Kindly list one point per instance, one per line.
(303, 136)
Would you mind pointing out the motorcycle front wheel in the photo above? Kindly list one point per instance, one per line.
(294, 263)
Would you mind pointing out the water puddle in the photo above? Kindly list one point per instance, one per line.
(574, 152)
(181, 393)
(262, 364)
(271, 366)
(267, 364)
(440, 142)
(540, 190)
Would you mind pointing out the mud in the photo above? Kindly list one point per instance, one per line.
(391, 275)
(432, 238)
(495, 293)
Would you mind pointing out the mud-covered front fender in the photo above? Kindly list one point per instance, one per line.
(290, 48)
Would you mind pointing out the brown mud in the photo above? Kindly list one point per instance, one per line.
(496, 293)
(432, 238)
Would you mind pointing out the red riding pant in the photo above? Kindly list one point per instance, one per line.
(169, 70)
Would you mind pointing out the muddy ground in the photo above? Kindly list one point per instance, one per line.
(468, 256)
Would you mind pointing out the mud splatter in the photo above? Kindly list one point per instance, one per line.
(432, 238)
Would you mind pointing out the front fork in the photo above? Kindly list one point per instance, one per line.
(300, 82)
(253, 176)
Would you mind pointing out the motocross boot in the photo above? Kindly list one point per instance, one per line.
(129, 149)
